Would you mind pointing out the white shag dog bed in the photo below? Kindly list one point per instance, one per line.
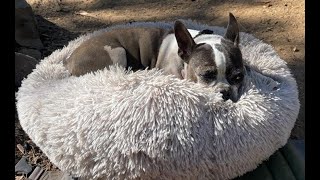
(118, 124)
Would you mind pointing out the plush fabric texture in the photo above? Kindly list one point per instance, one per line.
(118, 124)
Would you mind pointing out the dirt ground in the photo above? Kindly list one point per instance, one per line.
(280, 23)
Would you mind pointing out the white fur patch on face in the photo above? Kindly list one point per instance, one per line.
(185, 71)
(220, 61)
(117, 55)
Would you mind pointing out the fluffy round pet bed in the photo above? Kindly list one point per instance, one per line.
(125, 125)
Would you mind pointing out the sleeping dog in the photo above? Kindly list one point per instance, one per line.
(199, 56)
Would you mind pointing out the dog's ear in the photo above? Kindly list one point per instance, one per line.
(232, 32)
(184, 40)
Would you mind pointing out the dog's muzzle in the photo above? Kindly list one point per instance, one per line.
(231, 93)
(226, 94)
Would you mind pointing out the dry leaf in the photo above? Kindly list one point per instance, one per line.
(20, 147)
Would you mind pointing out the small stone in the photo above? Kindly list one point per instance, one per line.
(295, 49)
(26, 146)
(23, 167)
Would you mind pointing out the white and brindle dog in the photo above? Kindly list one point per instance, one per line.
(199, 56)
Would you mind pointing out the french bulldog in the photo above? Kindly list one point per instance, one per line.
(199, 56)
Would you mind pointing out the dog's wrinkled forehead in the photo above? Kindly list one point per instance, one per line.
(218, 51)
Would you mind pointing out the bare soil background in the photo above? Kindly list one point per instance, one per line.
(280, 23)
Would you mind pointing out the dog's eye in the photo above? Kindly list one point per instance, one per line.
(237, 78)
(209, 75)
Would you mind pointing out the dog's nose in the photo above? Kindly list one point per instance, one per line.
(226, 94)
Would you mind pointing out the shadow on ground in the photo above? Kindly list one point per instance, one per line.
(52, 36)
(298, 71)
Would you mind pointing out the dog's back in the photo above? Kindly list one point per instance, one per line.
(129, 47)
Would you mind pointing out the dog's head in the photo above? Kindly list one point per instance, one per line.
(212, 59)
